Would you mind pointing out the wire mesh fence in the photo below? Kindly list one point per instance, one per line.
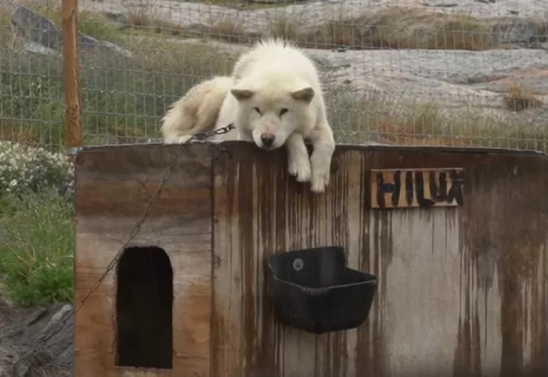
(440, 72)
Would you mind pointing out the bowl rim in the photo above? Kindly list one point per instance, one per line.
(372, 280)
(336, 248)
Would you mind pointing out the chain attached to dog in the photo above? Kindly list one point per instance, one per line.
(167, 176)
(205, 135)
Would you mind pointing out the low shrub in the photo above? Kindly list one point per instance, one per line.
(36, 252)
(24, 168)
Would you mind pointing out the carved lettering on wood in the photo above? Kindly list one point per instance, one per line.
(422, 188)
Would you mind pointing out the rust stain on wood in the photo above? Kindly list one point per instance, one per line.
(277, 214)
(114, 187)
(404, 188)
(496, 242)
(503, 236)
(93, 324)
(262, 219)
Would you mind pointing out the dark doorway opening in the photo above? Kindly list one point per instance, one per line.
(144, 303)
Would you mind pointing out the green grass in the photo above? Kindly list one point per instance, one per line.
(390, 121)
(36, 255)
(123, 98)
(404, 28)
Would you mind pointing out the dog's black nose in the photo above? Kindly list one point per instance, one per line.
(267, 140)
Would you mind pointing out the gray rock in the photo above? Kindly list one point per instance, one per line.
(312, 13)
(427, 73)
(37, 48)
(519, 30)
(457, 80)
(37, 29)
(56, 337)
(34, 342)
(275, 1)
(41, 31)
(121, 20)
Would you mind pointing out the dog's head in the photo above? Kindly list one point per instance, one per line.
(272, 109)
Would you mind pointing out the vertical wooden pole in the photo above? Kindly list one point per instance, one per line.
(71, 73)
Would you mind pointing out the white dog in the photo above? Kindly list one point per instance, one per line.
(276, 100)
(196, 111)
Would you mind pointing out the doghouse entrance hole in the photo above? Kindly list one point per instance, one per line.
(144, 302)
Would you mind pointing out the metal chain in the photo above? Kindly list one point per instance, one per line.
(167, 176)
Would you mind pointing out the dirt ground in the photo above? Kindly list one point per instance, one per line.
(22, 329)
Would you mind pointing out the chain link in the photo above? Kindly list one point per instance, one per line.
(167, 176)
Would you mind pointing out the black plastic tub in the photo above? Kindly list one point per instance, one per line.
(313, 290)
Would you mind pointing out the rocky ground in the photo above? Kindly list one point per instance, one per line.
(458, 79)
(22, 329)
(314, 12)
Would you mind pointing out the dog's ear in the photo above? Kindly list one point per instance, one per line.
(242, 94)
(305, 94)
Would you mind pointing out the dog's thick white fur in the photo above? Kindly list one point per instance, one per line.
(196, 111)
(277, 99)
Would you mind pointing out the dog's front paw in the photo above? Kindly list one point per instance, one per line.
(300, 168)
(320, 177)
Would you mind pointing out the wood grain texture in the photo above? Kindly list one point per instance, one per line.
(113, 188)
(463, 291)
(448, 302)
(71, 72)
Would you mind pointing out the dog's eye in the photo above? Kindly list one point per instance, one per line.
(257, 110)
(283, 111)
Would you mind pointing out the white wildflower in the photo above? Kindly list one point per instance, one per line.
(24, 168)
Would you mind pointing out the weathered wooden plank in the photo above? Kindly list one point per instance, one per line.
(259, 212)
(121, 182)
(463, 287)
(448, 300)
(113, 188)
(183, 366)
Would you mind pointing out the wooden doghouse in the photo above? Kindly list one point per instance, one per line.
(460, 257)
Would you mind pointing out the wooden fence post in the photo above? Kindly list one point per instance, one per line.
(71, 73)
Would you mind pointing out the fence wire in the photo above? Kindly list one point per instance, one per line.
(404, 72)
(432, 72)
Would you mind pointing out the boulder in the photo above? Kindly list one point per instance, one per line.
(508, 30)
(39, 30)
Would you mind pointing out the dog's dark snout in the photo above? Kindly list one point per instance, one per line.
(267, 140)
